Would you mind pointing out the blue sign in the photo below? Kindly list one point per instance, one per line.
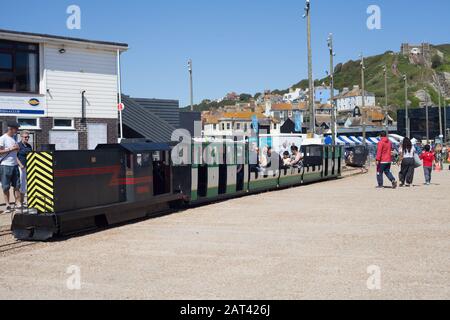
(298, 119)
(255, 123)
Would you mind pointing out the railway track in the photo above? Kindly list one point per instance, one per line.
(9, 244)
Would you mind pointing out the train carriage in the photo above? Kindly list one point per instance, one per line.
(73, 191)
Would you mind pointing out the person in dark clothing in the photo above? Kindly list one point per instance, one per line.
(408, 164)
(25, 148)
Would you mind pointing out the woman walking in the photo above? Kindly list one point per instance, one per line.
(408, 164)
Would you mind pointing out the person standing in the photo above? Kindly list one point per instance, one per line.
(9, 169)
(384, 161)
(25, 148)
(428, 159)
(408, 163)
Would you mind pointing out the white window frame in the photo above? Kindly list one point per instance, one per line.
(72, 127)
(37, 127)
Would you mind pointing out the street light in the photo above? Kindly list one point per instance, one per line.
(333, 108)
(363, 85)
(441, 135)
(427, 124)
(407, 129)
(191, 84)
(386, 113)
(312, 120)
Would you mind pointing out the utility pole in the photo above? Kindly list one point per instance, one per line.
(445, 120)
(441, 134)
(386, 105)
(191, 84)
(312, 112)
(427, 117)
(408, 132)
(119, 94)
(363, 111)
(333, 108)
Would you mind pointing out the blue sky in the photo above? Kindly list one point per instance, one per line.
(236, 45)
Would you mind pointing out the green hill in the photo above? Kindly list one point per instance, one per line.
(348, 74)
(419, 77)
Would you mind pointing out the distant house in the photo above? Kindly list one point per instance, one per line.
(348, 100)
(295, 95)
(232, 96)
(236, 123)
(284, 111)
(322, 94)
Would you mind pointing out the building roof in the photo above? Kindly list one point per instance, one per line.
(29, 36)
(355, 92)
(282, 107)
(168, 110)
(244, 115)
(145, 123)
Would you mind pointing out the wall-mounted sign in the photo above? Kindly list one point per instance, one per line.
(22, 105)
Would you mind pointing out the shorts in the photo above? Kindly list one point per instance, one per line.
(9, 177)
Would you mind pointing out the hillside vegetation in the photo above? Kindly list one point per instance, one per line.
(349, 74)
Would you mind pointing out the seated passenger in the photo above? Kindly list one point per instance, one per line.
(297, 162)
(265, 158)
(254, 158)
(287, 159)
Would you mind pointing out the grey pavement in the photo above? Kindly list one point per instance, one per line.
(341, 239)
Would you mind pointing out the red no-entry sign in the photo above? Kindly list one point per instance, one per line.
(121, 106)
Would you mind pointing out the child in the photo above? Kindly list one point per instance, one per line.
(286, 159)
(428, 159)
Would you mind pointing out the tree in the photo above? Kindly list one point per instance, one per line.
(436, 61)
(245, 97)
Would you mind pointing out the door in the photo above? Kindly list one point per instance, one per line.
(97, 134)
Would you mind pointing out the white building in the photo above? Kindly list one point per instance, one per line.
(64, 90)
(237, 124)
(348, 100)
(294, 95)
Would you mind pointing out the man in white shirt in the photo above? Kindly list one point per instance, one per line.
(9, 169)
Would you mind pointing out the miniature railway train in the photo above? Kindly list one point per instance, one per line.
(74, 191)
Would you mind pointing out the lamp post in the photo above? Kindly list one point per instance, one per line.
(441, 134)
(191, 84)
(333, 108)
(312, 112)
(386, 113)
(363, 87)
(407, 129)
(427, 124)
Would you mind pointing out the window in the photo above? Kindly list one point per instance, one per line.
(245, 127)
(223, 126)
(215, 127)
(238, 126)
(63, 124)
(28, 123)
(228, 126)
(19, 67)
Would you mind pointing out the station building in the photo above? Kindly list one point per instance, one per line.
(63, 90)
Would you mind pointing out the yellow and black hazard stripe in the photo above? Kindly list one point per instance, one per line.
(40, 181)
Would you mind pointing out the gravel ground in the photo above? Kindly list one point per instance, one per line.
(312, 242)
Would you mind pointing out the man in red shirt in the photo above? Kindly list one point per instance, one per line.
(384, 161)
(428, 160)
